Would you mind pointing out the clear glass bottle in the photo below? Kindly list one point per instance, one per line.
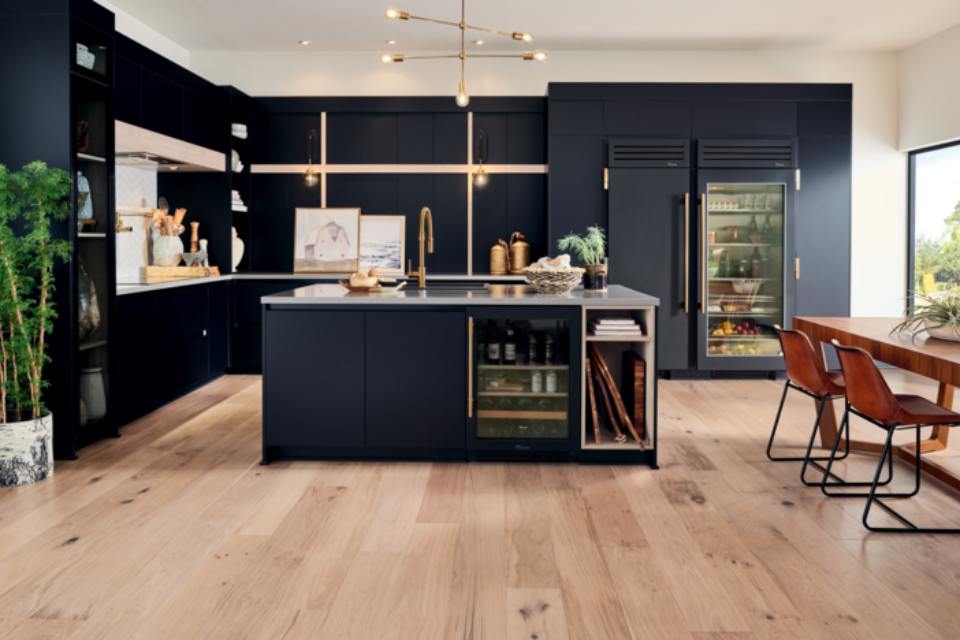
(551, 382)
(536, 381)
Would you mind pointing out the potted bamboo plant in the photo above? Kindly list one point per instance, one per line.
(30, 201)
(592, 251)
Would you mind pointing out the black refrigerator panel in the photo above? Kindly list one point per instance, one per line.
(746, 278)
(651, 250)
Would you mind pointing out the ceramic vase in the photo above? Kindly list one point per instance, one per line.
(167, 251)
(92, 393)
(88, 318)
(26, 451)
(236, 248)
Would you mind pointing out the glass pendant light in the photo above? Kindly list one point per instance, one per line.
(480, 177)
(310, 176)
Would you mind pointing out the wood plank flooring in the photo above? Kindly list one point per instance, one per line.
(175, 531)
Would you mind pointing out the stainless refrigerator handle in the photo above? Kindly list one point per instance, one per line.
(703, 253)
(469, 366)
(686, 252)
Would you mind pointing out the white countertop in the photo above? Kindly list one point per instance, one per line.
(124, 289)
(507, 294)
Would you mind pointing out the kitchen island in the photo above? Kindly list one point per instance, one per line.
(452, 372)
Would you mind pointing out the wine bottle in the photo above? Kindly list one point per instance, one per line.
(532, 354)
(510, 347)
(493, 345)
(548, 348)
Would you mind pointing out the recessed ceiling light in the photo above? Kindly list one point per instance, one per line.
(479, 43)
(391, 42)
(303, 42)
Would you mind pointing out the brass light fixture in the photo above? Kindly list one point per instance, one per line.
(480, 177)
(463, 98)
(310, 177)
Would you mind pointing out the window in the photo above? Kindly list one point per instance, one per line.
(934, 263)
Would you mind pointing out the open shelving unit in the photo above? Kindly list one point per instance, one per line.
(614, 350)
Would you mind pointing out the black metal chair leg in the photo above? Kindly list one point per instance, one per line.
(816, 425)
(845, 425)
(874, 498)
(809, 460)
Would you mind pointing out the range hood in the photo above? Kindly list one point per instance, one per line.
(141, 147)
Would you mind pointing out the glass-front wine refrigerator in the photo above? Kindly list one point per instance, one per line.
(524, 382)
(747, 277)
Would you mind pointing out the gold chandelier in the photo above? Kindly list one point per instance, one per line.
(463, 99)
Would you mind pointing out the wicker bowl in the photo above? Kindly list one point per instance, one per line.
(545, 281)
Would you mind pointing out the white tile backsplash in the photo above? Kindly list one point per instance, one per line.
(136, 187)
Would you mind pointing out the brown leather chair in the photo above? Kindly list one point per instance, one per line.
(806, 373)
(869, 397)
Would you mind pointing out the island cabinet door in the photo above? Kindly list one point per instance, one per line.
(416, 380)
(313, 381)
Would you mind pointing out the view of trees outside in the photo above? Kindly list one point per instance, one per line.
(937, 221)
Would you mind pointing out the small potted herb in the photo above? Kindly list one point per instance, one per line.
(937, 316)
(592, 251)
(30, 201)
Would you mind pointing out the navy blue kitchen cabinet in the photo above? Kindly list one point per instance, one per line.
(412, 382)
(168, 342)
(314, 393)
(643, 213)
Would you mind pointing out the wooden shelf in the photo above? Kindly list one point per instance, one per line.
(629, 445)
(91, 234)
(742, 244)
(493, 414)
(521, 394)
(523, 367)
(90, 158)
(93, 344)
(623, 338)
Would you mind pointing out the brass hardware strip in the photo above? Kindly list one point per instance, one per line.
(470, 366)
(606, 179)
(470, 193)
(400, 168)
(796, 268)
(703, 253)
(686, 253)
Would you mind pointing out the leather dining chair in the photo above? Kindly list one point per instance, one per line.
(806, 373)
(869, 397)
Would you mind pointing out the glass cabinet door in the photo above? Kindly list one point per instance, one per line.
(523, 379)
(744, 264)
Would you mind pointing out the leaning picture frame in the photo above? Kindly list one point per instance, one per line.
(383, 243)
(326, 240)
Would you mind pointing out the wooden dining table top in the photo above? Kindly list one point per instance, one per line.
(929, 357)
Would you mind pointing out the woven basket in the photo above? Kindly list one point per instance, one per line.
(554, 281)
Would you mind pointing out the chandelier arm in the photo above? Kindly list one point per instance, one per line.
(518, 56)
(473, 27)
(448, 23)
(431, 57)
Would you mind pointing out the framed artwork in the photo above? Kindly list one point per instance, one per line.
(382, 243)
(326, 240)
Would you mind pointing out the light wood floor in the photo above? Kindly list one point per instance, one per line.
(174, 531)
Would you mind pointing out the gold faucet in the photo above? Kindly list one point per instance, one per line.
(425, 239)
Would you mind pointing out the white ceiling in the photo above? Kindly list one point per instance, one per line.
(359, 25)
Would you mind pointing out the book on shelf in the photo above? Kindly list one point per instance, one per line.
(630, 322)
(621, 327)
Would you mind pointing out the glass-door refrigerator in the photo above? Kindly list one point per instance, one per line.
(747, 267)
(524, 382)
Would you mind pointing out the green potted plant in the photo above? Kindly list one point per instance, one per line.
(591, 249)
(30, 201)
(938, 316)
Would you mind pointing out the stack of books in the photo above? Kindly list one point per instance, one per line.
(237, 204)
(615, 327)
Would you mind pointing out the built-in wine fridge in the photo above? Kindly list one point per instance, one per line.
(524, 382)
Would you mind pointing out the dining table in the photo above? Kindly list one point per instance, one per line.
(932, 358)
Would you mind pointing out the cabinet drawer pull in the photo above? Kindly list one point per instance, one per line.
(703, 253)
(686, 253)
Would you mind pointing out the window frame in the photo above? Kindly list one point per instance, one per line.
(912, 212)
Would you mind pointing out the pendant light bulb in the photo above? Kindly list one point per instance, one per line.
(310, 177)
(481, 178)
(462, 98)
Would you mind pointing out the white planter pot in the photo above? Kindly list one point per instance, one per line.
(941, 333)
(26, 451)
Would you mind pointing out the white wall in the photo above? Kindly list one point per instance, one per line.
(879, 170)
(153, 40)
(930, 91)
